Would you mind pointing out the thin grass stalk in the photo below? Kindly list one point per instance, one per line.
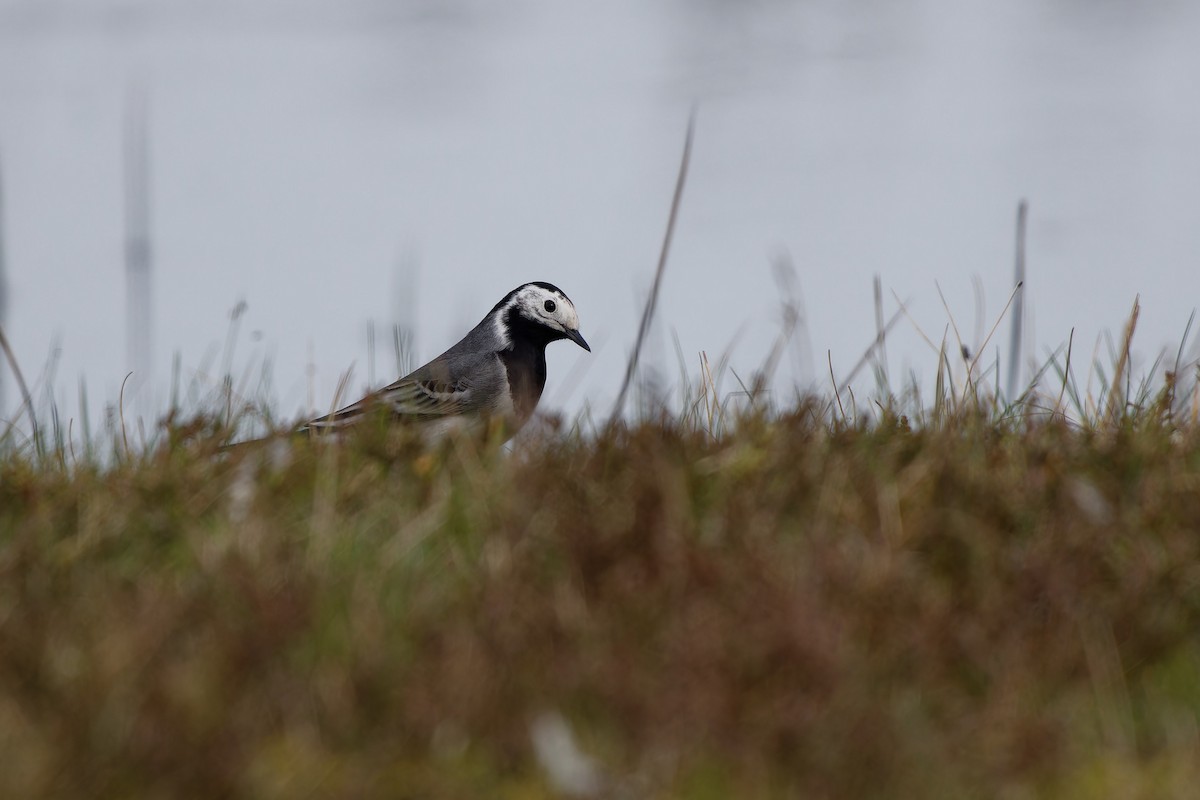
(963, 350)
(988, 338)
(767, 372)
(685, 383)
(47, 380)
(85, 422)
(837, 394)
(652, 300)
(1118, 394)
(880, 351)
(121, 414)
(706, 386)
(231, 337)
(58, 436)
(1095, 373)
(26, 398)
(944, 376)
(1187, 331)
(1066, 376)
(866, 356)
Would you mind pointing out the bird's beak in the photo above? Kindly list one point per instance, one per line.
(576, 337)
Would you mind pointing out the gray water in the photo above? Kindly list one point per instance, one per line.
(336, 163)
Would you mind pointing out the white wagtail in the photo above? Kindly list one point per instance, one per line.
(496, 372)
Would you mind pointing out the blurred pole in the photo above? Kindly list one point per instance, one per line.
(3, 288)
(137, 240)
(1018, 317)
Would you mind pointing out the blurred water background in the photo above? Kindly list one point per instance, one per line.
(334, 165)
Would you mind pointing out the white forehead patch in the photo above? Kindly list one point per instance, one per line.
(530, 302)
(532, 299)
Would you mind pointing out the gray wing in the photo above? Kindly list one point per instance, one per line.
(450, 385)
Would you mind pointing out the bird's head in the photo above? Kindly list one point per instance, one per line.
(542, 308)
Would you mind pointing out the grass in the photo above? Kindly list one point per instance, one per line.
(983, 595)
(975, 595)
(970, 600)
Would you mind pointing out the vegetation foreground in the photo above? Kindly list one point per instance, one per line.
(796, 608)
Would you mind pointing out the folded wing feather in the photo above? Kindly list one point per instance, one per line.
(435, 390)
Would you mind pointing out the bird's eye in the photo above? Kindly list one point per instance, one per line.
(549, 306)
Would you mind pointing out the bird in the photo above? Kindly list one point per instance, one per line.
(494, 374)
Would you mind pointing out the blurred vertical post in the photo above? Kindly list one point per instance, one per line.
(1018, 317)
(3, 287)
(137, 240)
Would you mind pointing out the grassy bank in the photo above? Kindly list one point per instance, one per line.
(800, 607)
